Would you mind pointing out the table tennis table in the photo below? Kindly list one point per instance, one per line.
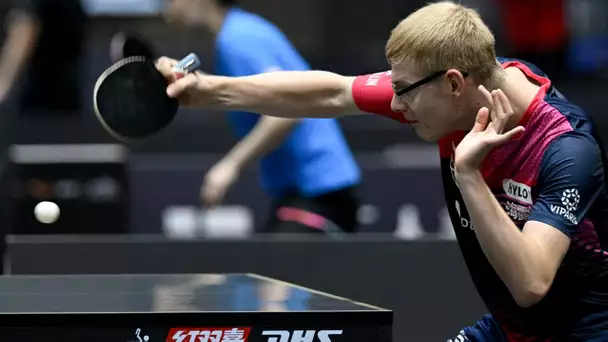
(181, 308)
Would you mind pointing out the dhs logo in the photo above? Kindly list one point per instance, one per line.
(301, 335)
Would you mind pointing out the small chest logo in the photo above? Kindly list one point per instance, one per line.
(517, 191)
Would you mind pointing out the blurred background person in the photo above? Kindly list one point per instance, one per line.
(40, 56)
(40, 48)
(306, 165)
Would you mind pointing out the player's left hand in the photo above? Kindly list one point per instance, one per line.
(5, 89)
(487, 133)
(217, 182)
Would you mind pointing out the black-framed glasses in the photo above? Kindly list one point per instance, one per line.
(424, 81)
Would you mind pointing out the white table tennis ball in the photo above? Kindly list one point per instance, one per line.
(46, 212)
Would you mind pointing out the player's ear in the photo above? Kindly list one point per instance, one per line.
(456, 81)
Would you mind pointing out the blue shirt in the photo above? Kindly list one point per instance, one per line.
(315, 158)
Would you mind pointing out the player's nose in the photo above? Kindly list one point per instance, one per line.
(397, 105)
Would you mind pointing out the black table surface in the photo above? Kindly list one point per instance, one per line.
(164, 293)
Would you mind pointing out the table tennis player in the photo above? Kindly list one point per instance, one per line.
(306, 165)
(523, 168)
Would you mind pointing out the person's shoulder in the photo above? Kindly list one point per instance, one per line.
(241, 44)
(242, 27)
(249, 34)
(575, 140)
(580, 147)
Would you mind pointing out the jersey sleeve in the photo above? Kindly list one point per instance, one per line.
(373, 94)
(571, 178)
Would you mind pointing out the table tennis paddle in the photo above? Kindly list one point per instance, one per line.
(123, 45)
(130, 98)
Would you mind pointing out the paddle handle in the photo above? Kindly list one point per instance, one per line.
(188, 64)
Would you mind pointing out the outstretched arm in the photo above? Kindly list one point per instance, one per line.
(289, 94)
(284, 93)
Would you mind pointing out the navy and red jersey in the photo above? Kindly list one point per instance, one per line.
(553, 174)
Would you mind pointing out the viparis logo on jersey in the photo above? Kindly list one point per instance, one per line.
(570, 201)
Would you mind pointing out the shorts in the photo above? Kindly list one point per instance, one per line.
(484, 330)
(332, 212)
(487, 330)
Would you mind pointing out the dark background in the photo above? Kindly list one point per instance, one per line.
(337, 35)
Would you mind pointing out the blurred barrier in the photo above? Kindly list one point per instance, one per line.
(401, 193)
(89, 183)
(425, 282)
(117, 8)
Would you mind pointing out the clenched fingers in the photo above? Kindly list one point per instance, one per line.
(165, 66)
(181, 86)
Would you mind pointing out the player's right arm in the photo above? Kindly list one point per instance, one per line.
(291, 94)
(285, 93)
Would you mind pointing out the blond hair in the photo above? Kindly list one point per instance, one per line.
(442, 36)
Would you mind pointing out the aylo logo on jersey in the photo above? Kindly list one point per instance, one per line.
(519, 209)
(517, 191)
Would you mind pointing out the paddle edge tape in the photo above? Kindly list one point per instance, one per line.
(98, 84)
